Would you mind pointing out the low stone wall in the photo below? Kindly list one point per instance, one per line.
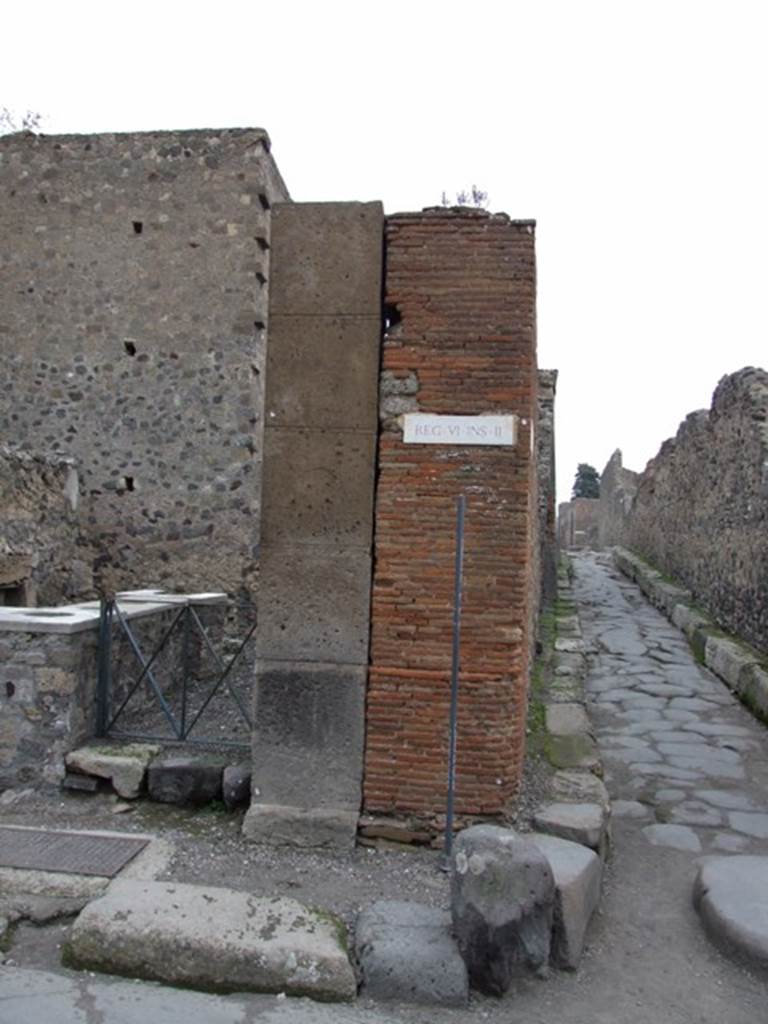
(49, 674)
(700, 514)
(47, 687)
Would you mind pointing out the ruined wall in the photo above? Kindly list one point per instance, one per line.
(133, 277)
(617, 493)
(701, 509)
(43, 559)
(578, 523)
(461, 339)
(545, 460)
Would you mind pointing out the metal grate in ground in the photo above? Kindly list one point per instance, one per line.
(70, 852)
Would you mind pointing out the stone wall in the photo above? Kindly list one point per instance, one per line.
(133, 280)
(43, 558)
(47, 691)
(545, 460)
(617, 493)
(460, 339)
(578, 523)
(700, 513)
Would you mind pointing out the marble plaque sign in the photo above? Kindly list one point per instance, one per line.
(429, 428)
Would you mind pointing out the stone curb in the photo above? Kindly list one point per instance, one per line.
(580, 810)
(739, 666)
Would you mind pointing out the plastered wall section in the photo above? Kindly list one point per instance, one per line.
(133, 281)
(460, 304)
(317, 518)
(700, 513)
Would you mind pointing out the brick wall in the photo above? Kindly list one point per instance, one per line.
(700, 513)
(460, 301)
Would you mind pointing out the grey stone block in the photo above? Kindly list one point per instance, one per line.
(318, 487)
(124, 766)
(304, 827)
(309, 734)
(236, 785)
(327, 258)
(578, 874)
(585, 823)
(406, 952)
(231, 941)
(311, 361)
(314, 604)
(185, 780)
(731, 896)
(502, 897)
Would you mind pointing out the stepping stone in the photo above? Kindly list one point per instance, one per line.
(406, 952)
(731, 896)
(677, 837)
(578, 873)
(231, 941)
(124, 766)
(750, 824)
(585, 823)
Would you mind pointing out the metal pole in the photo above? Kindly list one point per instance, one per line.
(461, 502)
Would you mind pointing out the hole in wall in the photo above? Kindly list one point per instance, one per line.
(260, 278)
(127, 483)
(392, 315)
(259, 325)
(262, 243)
(10, 689)
(138, 227)
(130, 348)
(265, 203)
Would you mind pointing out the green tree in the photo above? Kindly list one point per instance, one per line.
(587, 482)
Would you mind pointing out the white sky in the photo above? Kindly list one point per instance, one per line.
(634, 132)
